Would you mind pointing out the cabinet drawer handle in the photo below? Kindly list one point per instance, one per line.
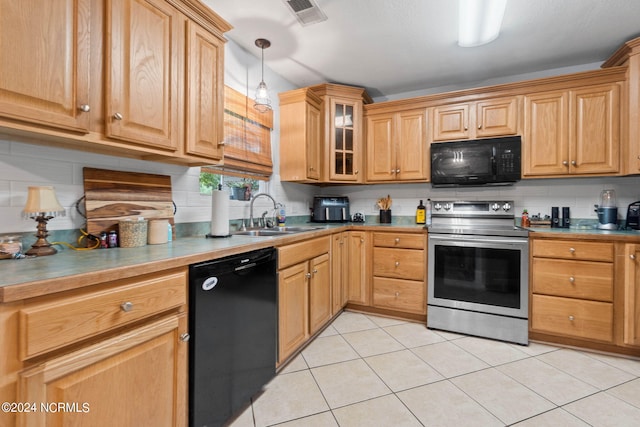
(571, 318)
(221, 144)
(397, 294)
(572, 279)
(126, 306)
(85, 108)
(185, 337)
(572, 250)
(397, 240)
(397, 263)
(118, 116)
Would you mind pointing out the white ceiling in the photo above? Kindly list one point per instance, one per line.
(395, 46)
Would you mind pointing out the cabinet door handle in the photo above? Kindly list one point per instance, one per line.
(574, 163)
(632, 256)
(397, 170)
(308, 275)
(397, 263)
(85, 108)
(571, 318)
(572, 279)
(126, 306)
(480, 126)
(565, 163)
(185, 337)
(357, 171)
(397, 294)
(118, 116)
(221, 144)
(315, 271)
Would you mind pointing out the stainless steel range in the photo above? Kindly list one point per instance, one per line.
(478, 264)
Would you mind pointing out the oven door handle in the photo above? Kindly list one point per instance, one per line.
(483, 239)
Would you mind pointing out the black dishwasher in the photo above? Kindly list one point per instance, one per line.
(233, 325)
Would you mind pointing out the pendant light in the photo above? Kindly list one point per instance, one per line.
(262, 102)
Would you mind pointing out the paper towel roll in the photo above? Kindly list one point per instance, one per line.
(219, 213)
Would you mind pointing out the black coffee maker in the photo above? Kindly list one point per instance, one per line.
(633, 216)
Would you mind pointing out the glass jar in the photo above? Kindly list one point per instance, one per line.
(10, 245)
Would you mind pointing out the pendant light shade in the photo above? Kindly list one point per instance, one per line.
(262, 100)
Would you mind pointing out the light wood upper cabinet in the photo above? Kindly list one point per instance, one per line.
(44, 62)
(572, 132)
(397, 147)
(300, 136)
(491, 117)
(142, 62)
(204, 105)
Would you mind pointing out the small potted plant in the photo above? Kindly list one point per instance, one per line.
(241, 189)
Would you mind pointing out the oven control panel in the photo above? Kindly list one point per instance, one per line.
(492, 208)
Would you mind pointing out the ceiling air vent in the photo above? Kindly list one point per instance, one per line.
(306, 11)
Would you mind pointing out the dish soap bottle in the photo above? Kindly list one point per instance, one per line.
(421, 214)
(281, 216)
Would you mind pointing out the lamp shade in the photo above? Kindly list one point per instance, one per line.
(42, 201)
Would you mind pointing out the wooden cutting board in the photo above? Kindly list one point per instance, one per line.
(111, 196)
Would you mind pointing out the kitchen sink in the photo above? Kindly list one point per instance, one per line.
(278, 231)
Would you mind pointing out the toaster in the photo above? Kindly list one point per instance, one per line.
(330, 209)
(633, 216)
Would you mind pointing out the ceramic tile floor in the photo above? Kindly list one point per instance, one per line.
(366, 370)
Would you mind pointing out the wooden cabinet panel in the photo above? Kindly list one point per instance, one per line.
(400, 263)
(302, 251)
(401, 295)
(487, 118)
(572, 317)
(44, 62)
(300, 136)
(357, 274)
(204, 132)
(397, 146)
(142, 56)
(451, 122)
(137, 378)
(292, 309)
(546, 134)
(51, 325)
(319, 293)
(497, 117)
(399, 240)
(339, 268)
(631, 325)
(577, 250)
(595, 130)
(344, 137)
(574, 279)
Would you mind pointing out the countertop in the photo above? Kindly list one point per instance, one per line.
(69, 269)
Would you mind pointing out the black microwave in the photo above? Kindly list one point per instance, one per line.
(493, 161)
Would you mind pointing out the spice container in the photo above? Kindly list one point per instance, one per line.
(10, 245)
(133, 233)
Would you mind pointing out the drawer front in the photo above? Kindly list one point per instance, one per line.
(48, 326)
(401, 295)
(399, 263)
(575, 279)
(572, 317)
(298, 252)
(399, 240)
(567, 249)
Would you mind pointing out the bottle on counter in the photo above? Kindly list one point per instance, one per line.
(281, 215)
(525, 219)
(428, 209)
(421, 214)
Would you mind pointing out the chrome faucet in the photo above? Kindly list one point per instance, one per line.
(275, 206)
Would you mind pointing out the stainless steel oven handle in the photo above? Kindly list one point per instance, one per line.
(483, 239)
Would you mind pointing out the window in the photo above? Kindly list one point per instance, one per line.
(239, 188)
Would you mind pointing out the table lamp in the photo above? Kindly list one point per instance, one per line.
(42, 205)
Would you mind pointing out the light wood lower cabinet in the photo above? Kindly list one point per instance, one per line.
(357, 264)
(339, 271)
(137, 378)
(304, 293)
(115, 353)
(632, 295)
(399, 272)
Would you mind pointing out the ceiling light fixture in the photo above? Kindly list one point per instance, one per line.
(263, 103)
(479, 21)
